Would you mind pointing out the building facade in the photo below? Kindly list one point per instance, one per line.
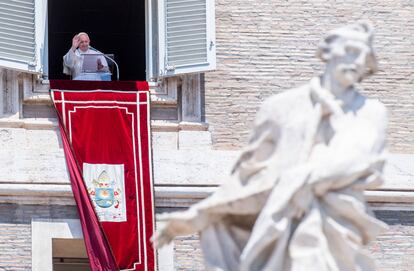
(201, 118)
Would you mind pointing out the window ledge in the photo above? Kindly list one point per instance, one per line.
(29, 123)
(38, 99)
(41, 95)
(51, 123)
(163, 126)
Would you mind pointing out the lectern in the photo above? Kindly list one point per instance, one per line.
(90, 69)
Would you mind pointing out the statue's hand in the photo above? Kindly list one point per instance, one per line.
(178, 223)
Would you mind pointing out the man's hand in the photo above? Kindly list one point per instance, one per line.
(100, 66)
(75, 43)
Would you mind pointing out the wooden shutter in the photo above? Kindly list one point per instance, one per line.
(186, 36)
(19, 47)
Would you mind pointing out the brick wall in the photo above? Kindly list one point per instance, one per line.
(187, 253)
(15, 232)
(393, 250)
(265, 47)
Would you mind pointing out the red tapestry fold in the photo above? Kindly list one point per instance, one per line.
(106, 139)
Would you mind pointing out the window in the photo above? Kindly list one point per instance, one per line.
(186, 36)
(57, 244)
(114, 28)
(69, 255)
(149, 38)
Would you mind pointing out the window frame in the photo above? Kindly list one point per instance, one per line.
(41, 37)
(44, 230)
(163, 70)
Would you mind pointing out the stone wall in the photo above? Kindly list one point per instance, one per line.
(15, 232)
(265, 47)
(393, 250)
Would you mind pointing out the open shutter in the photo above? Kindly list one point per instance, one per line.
(186, 36)
(22, 34)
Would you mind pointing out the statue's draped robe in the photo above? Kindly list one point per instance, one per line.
(294, 200)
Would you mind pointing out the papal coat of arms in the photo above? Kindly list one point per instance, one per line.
(105, 185)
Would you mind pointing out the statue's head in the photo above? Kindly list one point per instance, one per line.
(348, 53)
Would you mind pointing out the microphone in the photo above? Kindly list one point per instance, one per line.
(113, 61)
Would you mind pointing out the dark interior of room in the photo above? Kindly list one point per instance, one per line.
(114, 27)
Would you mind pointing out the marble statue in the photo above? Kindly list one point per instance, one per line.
(294, 199)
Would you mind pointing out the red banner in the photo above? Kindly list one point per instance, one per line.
(106, 137)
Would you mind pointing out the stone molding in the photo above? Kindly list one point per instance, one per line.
(51, 124)
(165, 196)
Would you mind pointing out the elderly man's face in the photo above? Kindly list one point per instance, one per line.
(351, 59)
(84, 43)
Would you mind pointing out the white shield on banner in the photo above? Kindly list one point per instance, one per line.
(106, 188)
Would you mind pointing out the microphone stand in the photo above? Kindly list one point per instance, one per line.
(113, 61)
(116, 65)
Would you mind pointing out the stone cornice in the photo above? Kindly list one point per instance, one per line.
(51, 124)
(165, 196)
